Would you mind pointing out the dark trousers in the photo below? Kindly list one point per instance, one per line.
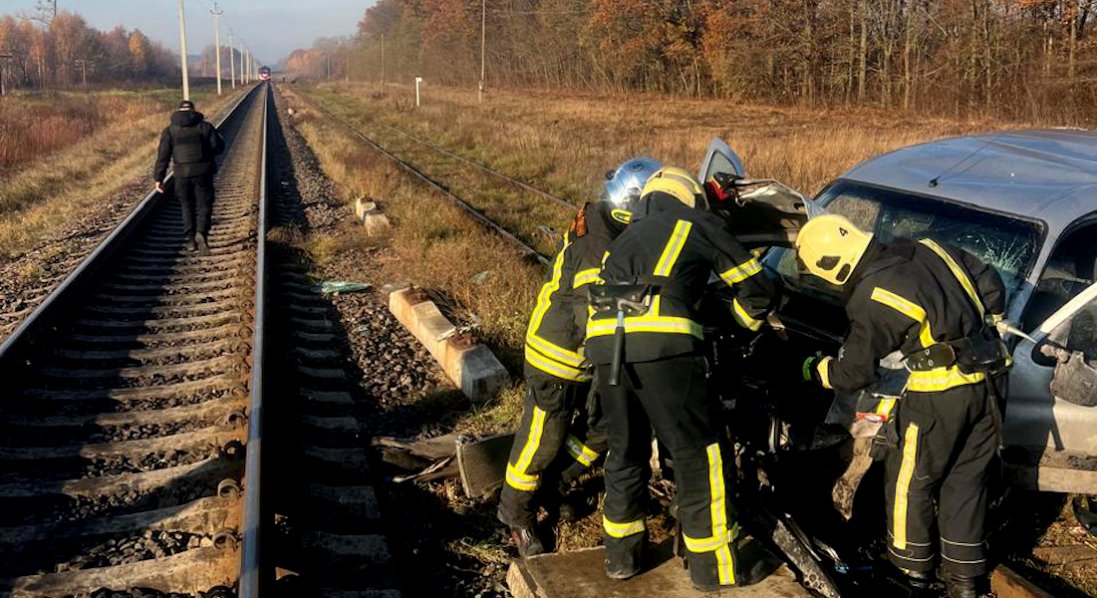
(937, 480)
(558, 437)
(195, 195)
(669, 396)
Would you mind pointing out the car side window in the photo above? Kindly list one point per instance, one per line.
(1069, 270)
(1079, 333)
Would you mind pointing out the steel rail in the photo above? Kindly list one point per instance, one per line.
(482, 167)
(251, 580)
(56, 301)
(415, 172)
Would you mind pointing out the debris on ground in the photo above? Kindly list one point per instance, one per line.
(335, 287)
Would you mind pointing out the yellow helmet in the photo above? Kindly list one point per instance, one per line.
(679, 184)
(830, 246)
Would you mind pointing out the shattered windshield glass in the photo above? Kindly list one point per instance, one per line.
(1009, 244)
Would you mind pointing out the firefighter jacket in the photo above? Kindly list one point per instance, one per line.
(677, 250)
(908, 296)
(557, 327)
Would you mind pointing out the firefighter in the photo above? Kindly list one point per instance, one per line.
(191, 145)
(938, 305)
(648, 348)
(559, 411)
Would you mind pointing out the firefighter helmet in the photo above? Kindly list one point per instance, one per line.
(622, 186)
(673, 184)
(830, 246)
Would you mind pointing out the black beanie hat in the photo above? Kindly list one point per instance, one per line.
(186, 105)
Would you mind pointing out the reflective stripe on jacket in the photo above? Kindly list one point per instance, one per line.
(907, 296)
(555, 334)
(678, 249)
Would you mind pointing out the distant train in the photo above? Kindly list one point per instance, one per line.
(264, 73)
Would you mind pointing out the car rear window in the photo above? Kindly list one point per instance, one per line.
(1009, 244)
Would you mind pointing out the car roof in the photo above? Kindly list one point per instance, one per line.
(1047, 174)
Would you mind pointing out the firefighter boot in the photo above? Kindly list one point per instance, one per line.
(960, 587)
(526, 541)
(624, 556)
(705, 571)
(203, 246)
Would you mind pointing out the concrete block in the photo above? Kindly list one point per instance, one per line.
(363, 206)
(473, 368)
(579, 574)
(376, 224)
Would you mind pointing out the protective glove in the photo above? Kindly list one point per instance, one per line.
(809, 370)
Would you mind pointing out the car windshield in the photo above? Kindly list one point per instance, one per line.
(1009, 244)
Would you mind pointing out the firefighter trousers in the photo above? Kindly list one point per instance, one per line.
(669, 396)
(937, 480)
(558, 437)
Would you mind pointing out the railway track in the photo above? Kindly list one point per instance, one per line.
(128, 437)
(516, 217)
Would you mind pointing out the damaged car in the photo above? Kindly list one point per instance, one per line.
(1023, 201)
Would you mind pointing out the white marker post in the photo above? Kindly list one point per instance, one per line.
(418, 80)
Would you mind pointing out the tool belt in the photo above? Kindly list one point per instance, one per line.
(632, 299)
(982, 352)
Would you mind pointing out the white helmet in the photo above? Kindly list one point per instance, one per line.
(623, 186)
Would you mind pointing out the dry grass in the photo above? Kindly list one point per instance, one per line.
(33, 126)
(50, 192)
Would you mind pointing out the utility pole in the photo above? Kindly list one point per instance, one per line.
(382, 62)
(483, 40)
(243, 81)
(247, 65)
(3, 63)
(232, 61)
(217, 41)
(183, 51)
(83, 65)
(327, 55)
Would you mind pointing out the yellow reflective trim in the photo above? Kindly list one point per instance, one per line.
(718, 512)
(622, 216)
(743, 318)
(902, 487)
(584, 277)
(665, 324)
(554, 351)
(907, 308)
(941, 379)
(521, 482)
(823, 368)
(580, 452)
(673, 248)
(885, 406)
(622, 530)
(555, 368)
(544, 297)
(529, 449)
(742, 272)
(959, 273)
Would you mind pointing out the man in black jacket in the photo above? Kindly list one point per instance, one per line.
(191, 144)
(938, 305)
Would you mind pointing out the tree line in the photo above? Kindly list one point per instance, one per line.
(1031, 59)
(60, 51)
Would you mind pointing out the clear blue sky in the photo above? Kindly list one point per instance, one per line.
(272, 28)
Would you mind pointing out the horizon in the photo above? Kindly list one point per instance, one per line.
(272, 30)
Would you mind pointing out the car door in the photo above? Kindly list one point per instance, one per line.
(759, 212)
(1051, 414)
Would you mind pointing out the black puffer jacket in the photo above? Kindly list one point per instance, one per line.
(191, 144)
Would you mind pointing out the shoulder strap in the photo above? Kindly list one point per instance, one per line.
(959, 272)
